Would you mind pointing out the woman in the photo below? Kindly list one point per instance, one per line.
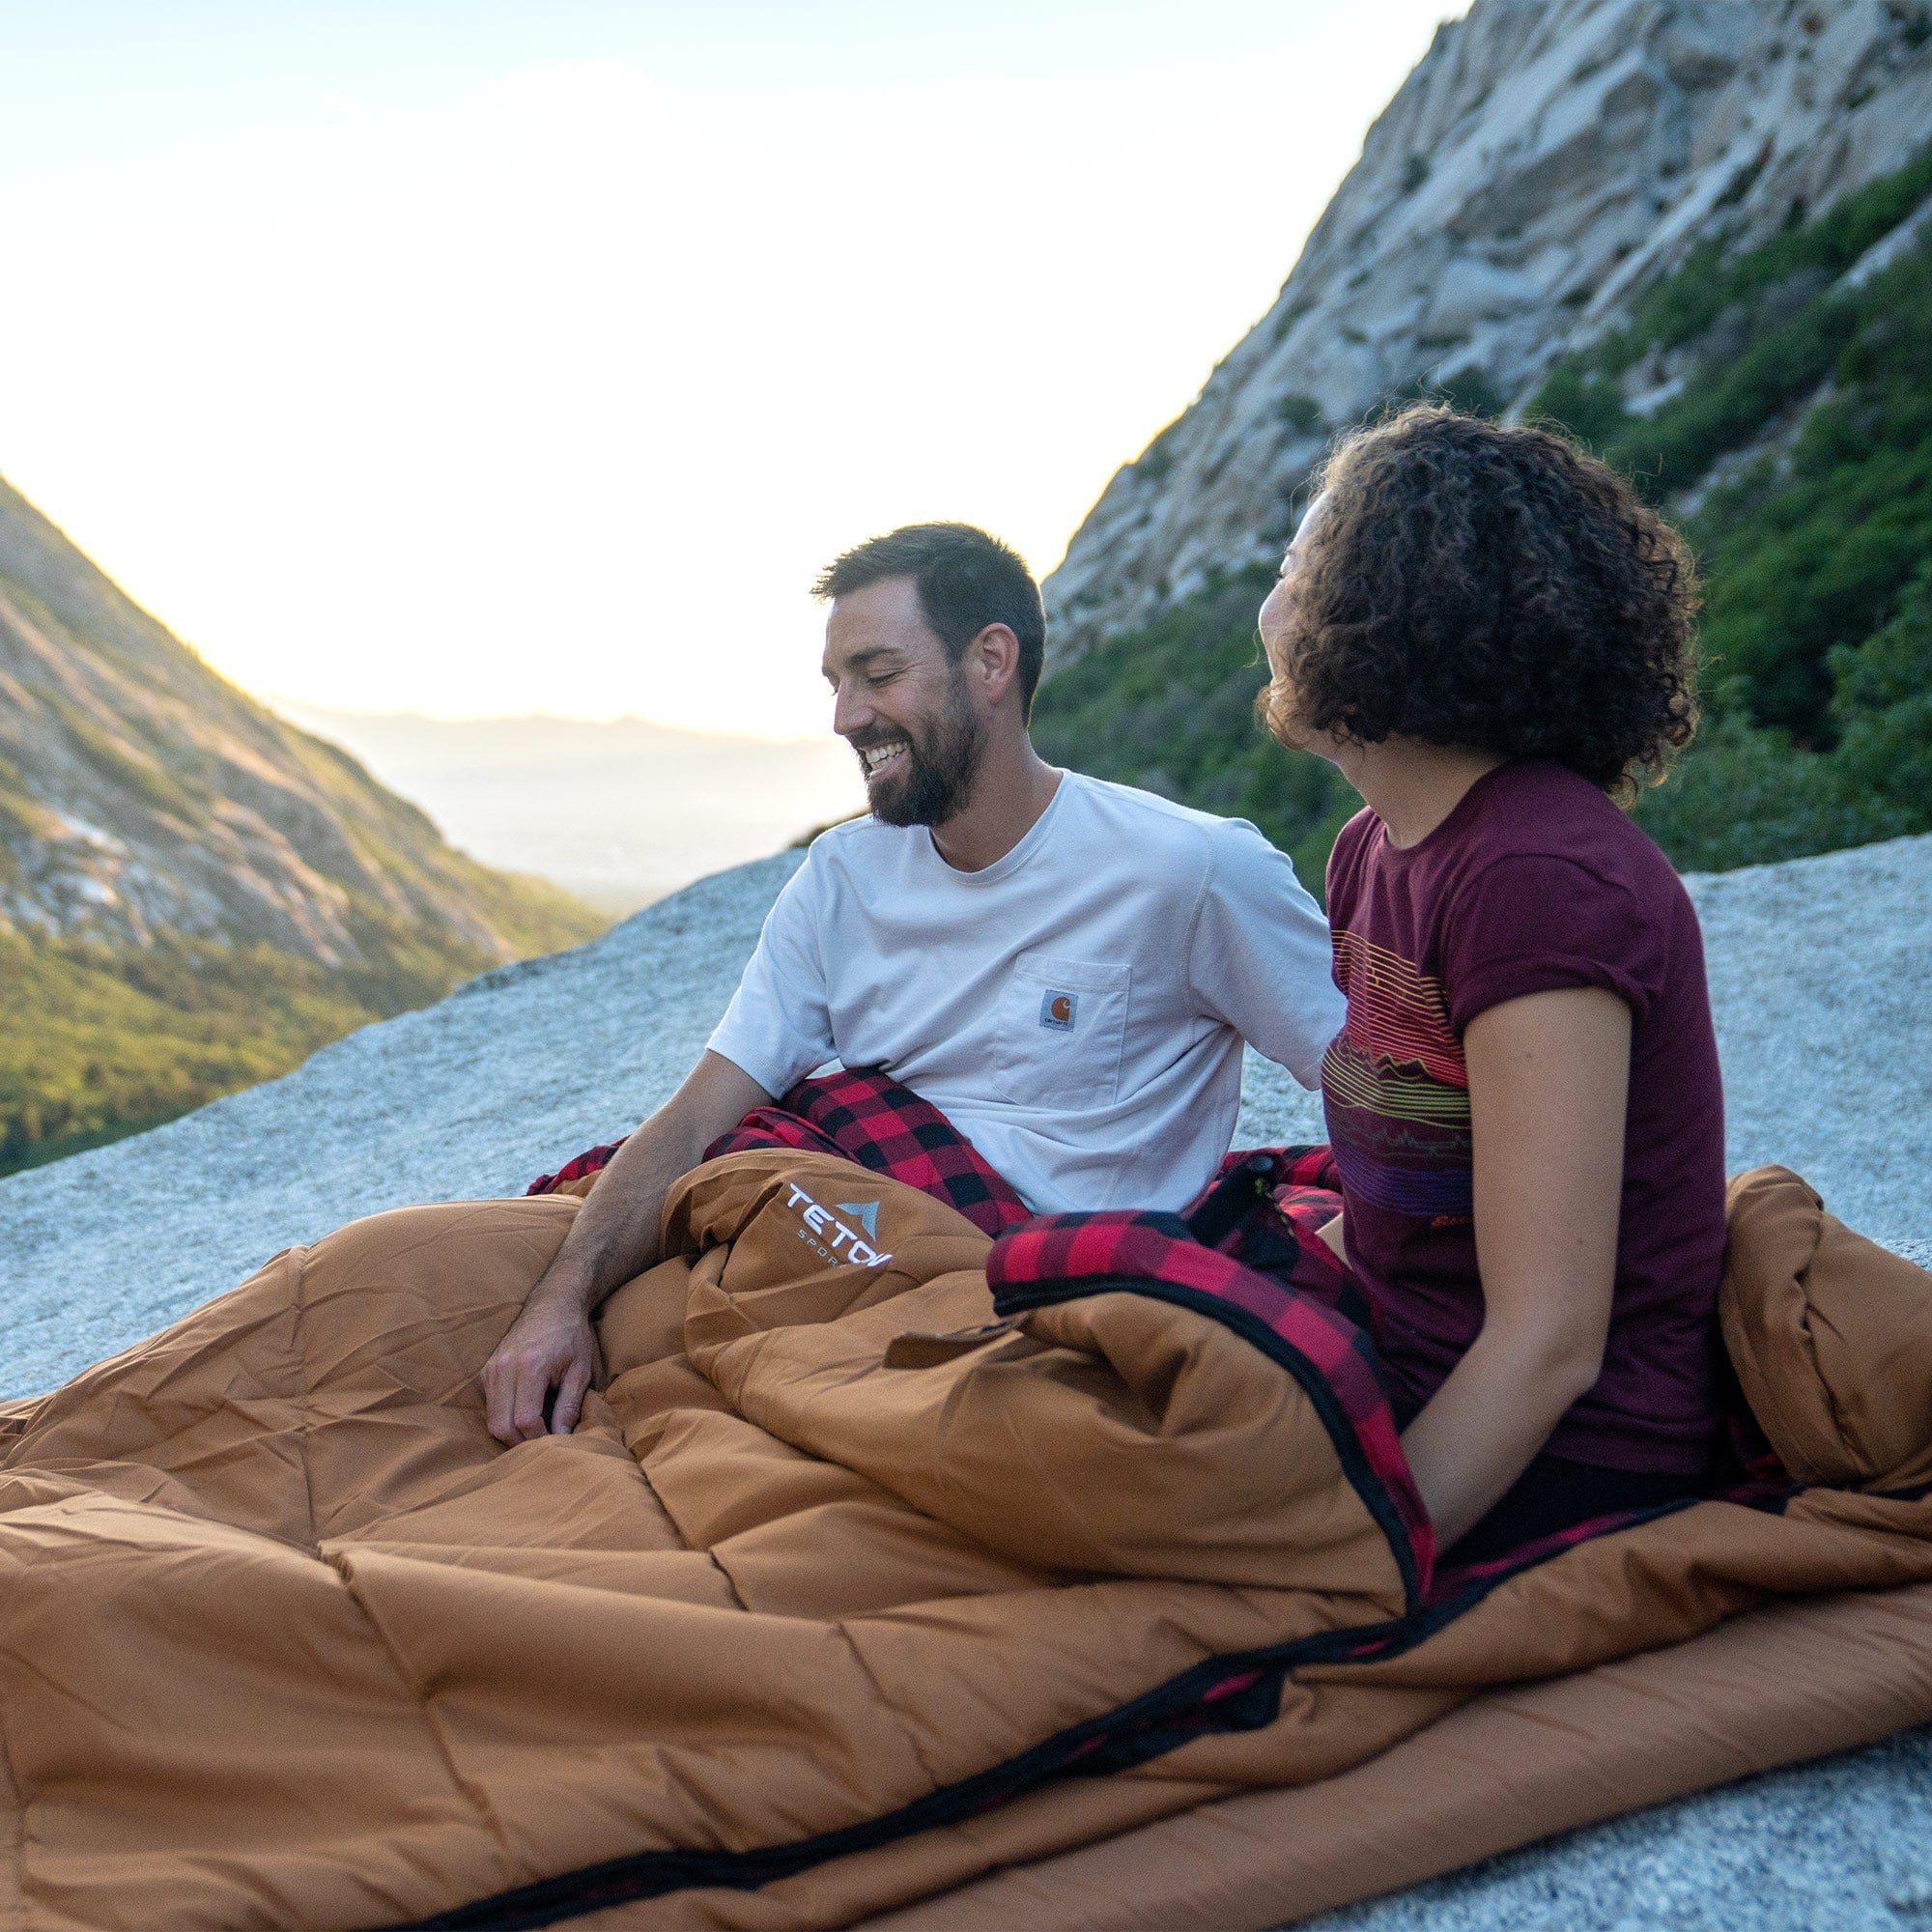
(1490, 635)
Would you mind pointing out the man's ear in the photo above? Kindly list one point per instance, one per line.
(993, 659)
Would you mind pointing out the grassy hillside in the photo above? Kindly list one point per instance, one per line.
(1783, 412)
(1802, 404)
(95, 1044)
(98, 1041)
(193, 893)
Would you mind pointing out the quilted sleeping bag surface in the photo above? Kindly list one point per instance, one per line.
(883, 1553)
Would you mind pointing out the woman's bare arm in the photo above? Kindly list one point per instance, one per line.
(1549, 1088)
(614, 1236)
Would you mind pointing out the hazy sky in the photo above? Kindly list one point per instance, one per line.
(478, 358)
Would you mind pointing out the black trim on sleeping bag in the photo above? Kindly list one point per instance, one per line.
(1236, 1692)
(1327, 1406)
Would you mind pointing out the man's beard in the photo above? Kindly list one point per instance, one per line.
(936, 771)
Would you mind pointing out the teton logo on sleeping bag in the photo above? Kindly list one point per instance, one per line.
(1058, 1010)
(868, 1213)
(827, 1236)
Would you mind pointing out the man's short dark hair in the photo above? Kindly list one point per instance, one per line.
(965, 579)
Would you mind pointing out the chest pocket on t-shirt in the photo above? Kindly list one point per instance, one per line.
(1062, 1030)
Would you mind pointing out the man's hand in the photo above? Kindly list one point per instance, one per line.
(614, 1238)
(550, 1346)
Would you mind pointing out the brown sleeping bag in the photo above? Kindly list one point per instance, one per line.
(836, 1564)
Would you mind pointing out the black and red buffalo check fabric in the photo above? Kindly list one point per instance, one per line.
(1248, 1243)
(1215, 1257)
(1266, 1208)
(867, 1118)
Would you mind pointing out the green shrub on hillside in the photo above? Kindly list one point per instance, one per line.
(1299, 412)
(1170, 708)
(1883, 758)
(1687, 305)
(1808, 550)
(1812, 554)
(1747, 796)
(1815, 556)
(96, 1043)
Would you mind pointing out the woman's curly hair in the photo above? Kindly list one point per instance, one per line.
(1493, 588)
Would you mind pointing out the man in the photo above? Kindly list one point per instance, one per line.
(1066, 968)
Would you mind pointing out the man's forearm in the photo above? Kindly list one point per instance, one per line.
(616, 1232)
(550, 1348)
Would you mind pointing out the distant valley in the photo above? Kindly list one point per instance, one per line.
(194, 893)
(618, 813)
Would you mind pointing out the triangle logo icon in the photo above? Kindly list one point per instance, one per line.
(866, 1213)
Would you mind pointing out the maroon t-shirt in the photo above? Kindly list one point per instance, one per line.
(1535, 881)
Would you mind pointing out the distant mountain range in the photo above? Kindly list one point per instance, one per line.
(621, 812)
(194, 893)
(1699, 235)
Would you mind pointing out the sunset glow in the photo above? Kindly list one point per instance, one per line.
(489, 359)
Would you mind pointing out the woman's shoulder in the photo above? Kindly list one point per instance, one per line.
(1352, 839)
(1538, 811)
(1560, 888)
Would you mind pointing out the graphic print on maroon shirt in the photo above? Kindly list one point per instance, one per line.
(1535, 881)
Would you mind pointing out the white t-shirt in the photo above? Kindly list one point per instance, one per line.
(1077, 1008)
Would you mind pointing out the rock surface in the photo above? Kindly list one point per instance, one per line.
(1824, 1018)
(1818, 981)
(1837, 1846)
(1542, 166)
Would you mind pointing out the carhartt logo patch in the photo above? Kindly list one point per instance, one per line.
(1058, 1010)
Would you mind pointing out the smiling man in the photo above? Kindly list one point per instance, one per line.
(1066, 968)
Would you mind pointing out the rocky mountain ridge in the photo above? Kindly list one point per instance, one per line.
(1543, 167)
(192, 891)
(142, 794)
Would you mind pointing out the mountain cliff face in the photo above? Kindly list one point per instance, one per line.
(1697, 234)
(1545, 164)
(193, 893)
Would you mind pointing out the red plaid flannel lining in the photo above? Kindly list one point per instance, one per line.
(589, 1161)
(870, 1118)
(1265, 1207)
(1065, 1250)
